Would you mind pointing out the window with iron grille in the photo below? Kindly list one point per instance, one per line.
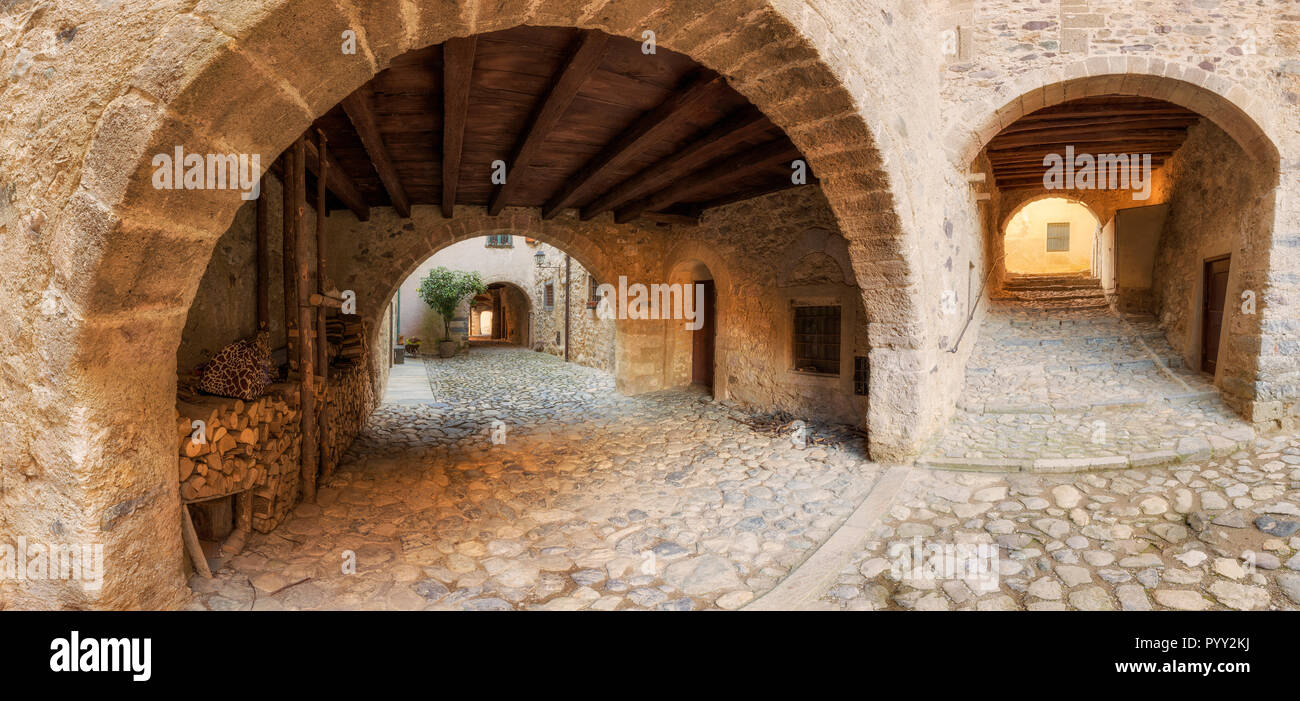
(548, 298)
(1058, 236)
(861, 375)
(817, 339)
(499, 241)
(593, 291)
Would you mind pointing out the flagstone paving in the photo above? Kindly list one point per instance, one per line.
(594, 500)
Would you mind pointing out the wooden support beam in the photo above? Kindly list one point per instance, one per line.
(306, 353)
(321, 182)
(358, 107)
(457, 73)
(581, 64)
(728, 170)
(288, 257)
(192, 546)
(322, 339)
(324, 300)
(720, 138)
(263, 257)
(340, 184)
(647, 130)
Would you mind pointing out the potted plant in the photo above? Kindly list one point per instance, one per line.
(412, 346)
(443, 290)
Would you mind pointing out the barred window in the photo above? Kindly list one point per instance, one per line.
(817, 339)
(861, 375)
(499, 241)
(548, 297)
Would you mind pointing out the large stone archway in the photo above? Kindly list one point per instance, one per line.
(110, 264)
(1258, 383)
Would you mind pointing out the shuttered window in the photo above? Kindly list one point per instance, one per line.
(1058, 237)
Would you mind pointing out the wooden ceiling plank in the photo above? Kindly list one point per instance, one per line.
(458, 70)
(645, 132)
(580, 65)
(727, 170)
(360, 111)
(338, 182)
(720, 138)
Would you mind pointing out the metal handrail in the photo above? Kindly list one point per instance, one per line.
(975, 307)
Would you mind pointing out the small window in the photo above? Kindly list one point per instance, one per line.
(817, 340)
(1058, 237)
(861, 375)
(499, 241)
(593, 291)
(548, 298)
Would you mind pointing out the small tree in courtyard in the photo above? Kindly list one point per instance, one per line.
(443, 290)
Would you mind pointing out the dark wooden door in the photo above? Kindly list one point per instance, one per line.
(702, 338)
(1216, 294)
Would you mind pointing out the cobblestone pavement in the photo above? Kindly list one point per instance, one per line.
(1077, 389)
(595, 500)
(1211, 535)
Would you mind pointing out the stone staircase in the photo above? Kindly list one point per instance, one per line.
(1059, 382)
(1054, 291)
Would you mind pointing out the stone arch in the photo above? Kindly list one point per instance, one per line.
(1250, 386)
(817, 241)
(127, 258)
(1234, 109)
(1006, 218)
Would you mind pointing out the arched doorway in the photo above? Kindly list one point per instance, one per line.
(273, 60)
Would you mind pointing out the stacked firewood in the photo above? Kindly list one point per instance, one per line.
(234, 447)
(346, 337)
(348, 401)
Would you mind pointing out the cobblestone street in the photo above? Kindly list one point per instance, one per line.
(1214, 534)
(594, 500)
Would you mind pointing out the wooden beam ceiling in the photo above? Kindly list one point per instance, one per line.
(1107, 124)
(647, 130)
(581, 119)
(585, 59)
(720, 172)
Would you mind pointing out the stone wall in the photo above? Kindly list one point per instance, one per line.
(766, 256)
(1221, 204)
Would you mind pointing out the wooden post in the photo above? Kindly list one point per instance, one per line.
(263, 259)
(192, 546)
(322, 339)
(306, 313)
(289, 250)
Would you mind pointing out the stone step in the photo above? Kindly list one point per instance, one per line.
(1188, 450)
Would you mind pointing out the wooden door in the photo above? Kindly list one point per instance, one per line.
(702, 339)
(1216, 294)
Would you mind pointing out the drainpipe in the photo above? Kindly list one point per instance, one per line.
(566, 307)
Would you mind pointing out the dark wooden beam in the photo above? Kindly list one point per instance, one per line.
(688, 219)
(263, 257)
(643, 133)
(1072, 136)
(1098, 122)
(749, 194)
(339, 182)
(457, 72)
(720, 138)
(359, 110)
(728, 170)
(581, 64)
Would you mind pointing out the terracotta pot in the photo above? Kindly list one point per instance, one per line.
(446, 349)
